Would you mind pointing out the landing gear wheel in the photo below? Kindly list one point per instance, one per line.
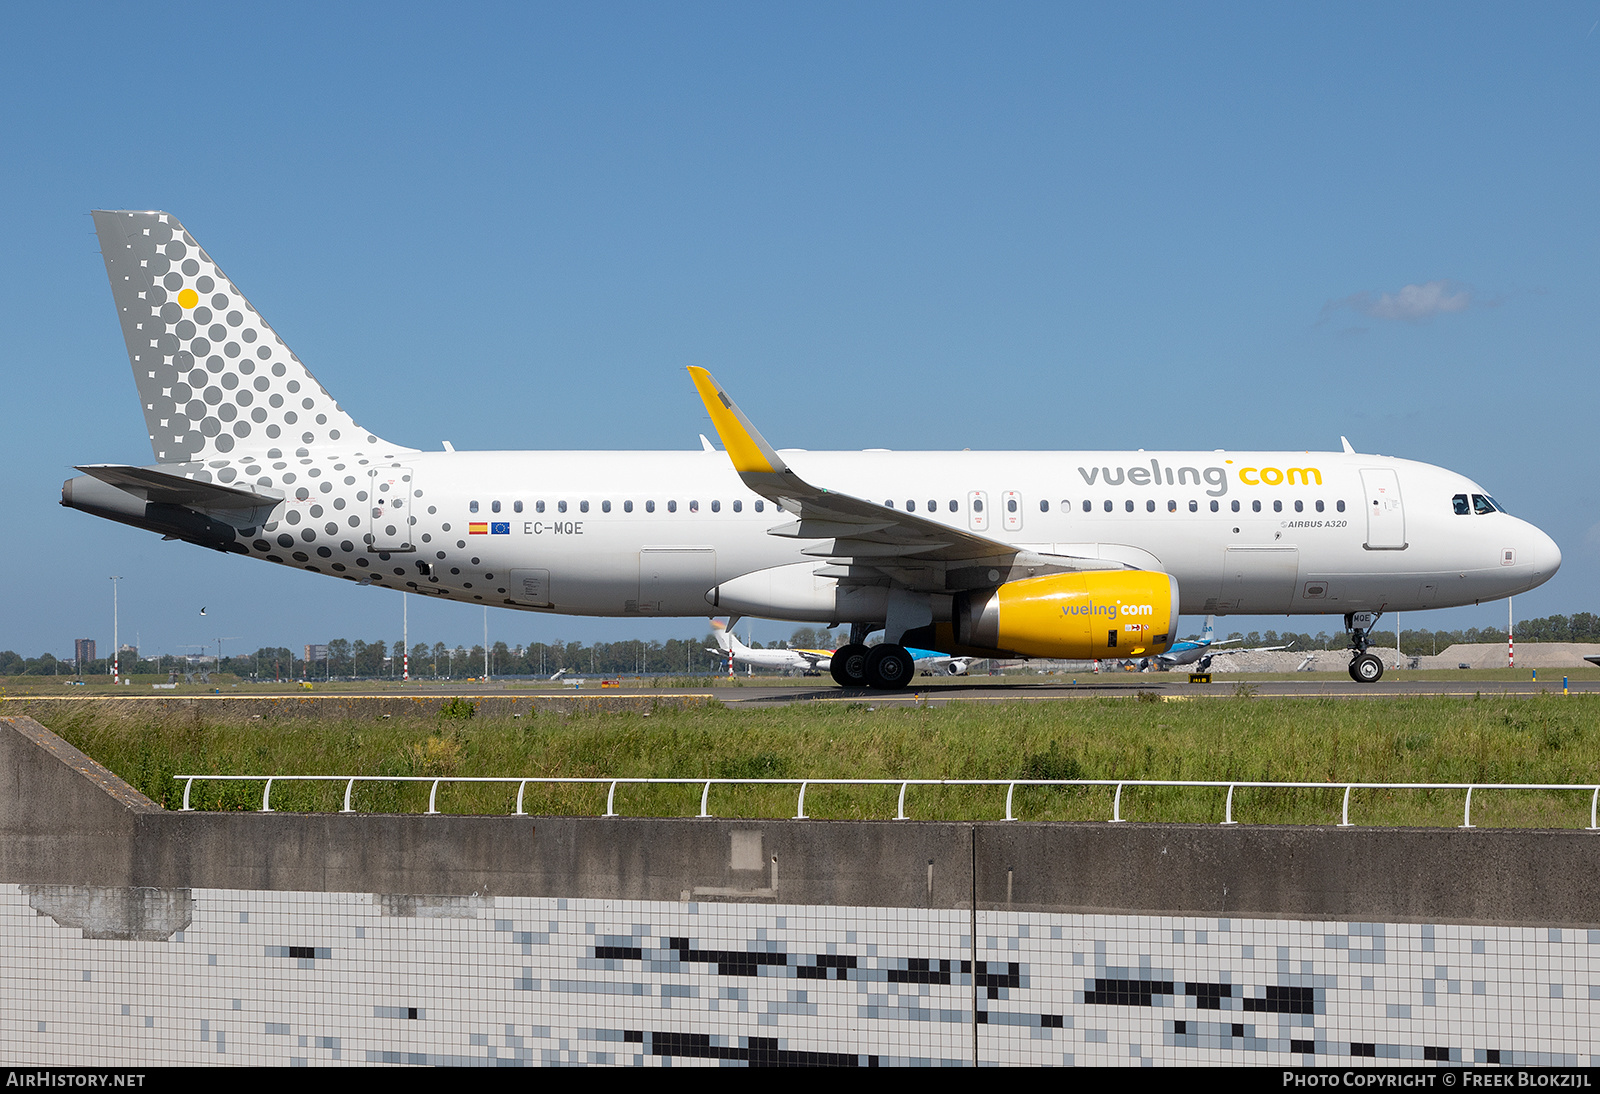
(849, 665)
(890, 667)
(1366, 669)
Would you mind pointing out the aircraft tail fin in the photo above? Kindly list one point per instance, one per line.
(214, 379)
(1208, 632)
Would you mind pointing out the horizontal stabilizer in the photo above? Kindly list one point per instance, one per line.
(245, 505)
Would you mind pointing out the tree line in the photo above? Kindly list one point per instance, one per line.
(381, 659)
(359, 659)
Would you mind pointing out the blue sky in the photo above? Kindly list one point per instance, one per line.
(905, 226)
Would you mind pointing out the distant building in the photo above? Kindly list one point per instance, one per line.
(316, 653)
(83, 652)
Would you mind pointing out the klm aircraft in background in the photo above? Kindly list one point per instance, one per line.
(981, 554)
(1199, 652)
(934, 663)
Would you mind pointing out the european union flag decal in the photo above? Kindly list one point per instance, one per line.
(500, 528)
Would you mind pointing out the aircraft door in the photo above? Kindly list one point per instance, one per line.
(1386, 517)
(1012, 514)
(978, 510)
(391, 517)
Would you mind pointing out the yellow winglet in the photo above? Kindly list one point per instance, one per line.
(749, 451)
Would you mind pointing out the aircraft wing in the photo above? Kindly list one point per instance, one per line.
(865, 534)
(1253, 649)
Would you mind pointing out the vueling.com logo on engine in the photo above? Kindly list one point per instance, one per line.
(1109, 611)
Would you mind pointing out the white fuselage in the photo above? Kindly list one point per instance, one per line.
(1348, 533)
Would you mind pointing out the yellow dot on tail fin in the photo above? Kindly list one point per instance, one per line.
(187, 299)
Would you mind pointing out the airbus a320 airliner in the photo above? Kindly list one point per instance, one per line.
(984, 554)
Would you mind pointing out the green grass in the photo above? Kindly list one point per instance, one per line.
(1546, 738)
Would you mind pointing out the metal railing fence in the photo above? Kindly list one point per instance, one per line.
(1011, 785)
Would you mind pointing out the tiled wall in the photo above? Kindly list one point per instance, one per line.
(222, 976)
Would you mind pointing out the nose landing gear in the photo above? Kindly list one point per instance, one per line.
(1365, 668)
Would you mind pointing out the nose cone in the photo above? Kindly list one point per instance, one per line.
(1545, 554)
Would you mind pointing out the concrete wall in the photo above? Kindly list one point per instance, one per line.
(65, 820)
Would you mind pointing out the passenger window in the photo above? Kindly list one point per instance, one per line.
(694, 506)
(605, 507)
(583, 507)
(1150, 506)
(1128, 505)
(1194, 507)
(1339, 505)
(494, 507)
(933, 506)
(738, 506)
(977, 505)
(760, 506)
(1215, 507)
(1108, 505)
(561, 506)
(1011, 505)
(1299, 506)
(516, 507)
(627, 507)
(1044, 506)
(1088, 506)
(1460, 503)
(1277, 507)
(472, 507)
(954, 508)
(538, 507)
(888, 503)
(1172, 506)
(1255, 507)
(649, 507)
(672, 506)
(1481, 504)
(716, 506)
(1319, 505)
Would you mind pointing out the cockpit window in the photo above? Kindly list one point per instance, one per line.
(1460, 503)
(1482, 504)
(1498, 508)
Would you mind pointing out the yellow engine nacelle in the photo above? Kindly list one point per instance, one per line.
(1101, 613)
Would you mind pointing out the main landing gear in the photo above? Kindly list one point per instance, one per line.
(1365, 668)
(887, 667)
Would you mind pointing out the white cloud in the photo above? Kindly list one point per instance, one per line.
(1413, 303)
